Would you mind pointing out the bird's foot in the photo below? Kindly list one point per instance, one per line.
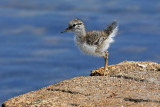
(96, 72)
(101, 71)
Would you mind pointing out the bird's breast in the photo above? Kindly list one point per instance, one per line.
(86, 48)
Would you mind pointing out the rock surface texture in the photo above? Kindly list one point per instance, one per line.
(131, 84)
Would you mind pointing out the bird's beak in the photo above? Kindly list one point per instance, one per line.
(66, 30)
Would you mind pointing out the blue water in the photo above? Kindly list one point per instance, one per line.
(33, 53)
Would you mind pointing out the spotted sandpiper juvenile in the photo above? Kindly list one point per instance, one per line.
(93, 42)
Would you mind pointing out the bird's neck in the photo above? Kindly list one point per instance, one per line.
(80, 32)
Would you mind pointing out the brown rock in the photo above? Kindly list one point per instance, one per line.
(133, 84)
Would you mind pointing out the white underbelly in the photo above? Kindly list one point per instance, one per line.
(88, 49)
(85, 48)
(91, 49)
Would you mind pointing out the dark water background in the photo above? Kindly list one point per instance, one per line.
(33, 53)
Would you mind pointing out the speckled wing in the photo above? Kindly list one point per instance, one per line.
(95, 37)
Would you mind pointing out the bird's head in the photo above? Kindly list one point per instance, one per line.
(76, 26)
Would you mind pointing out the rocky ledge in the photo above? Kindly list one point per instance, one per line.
(131, 84)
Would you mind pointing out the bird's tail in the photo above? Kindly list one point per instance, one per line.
(112, 29)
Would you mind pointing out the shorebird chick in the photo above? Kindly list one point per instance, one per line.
(93, 42)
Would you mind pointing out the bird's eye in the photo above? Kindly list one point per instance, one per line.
(74, 25)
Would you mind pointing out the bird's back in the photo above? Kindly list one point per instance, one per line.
(97, 37)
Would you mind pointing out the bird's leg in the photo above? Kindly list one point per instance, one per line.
(106, 63)
(104, 70)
